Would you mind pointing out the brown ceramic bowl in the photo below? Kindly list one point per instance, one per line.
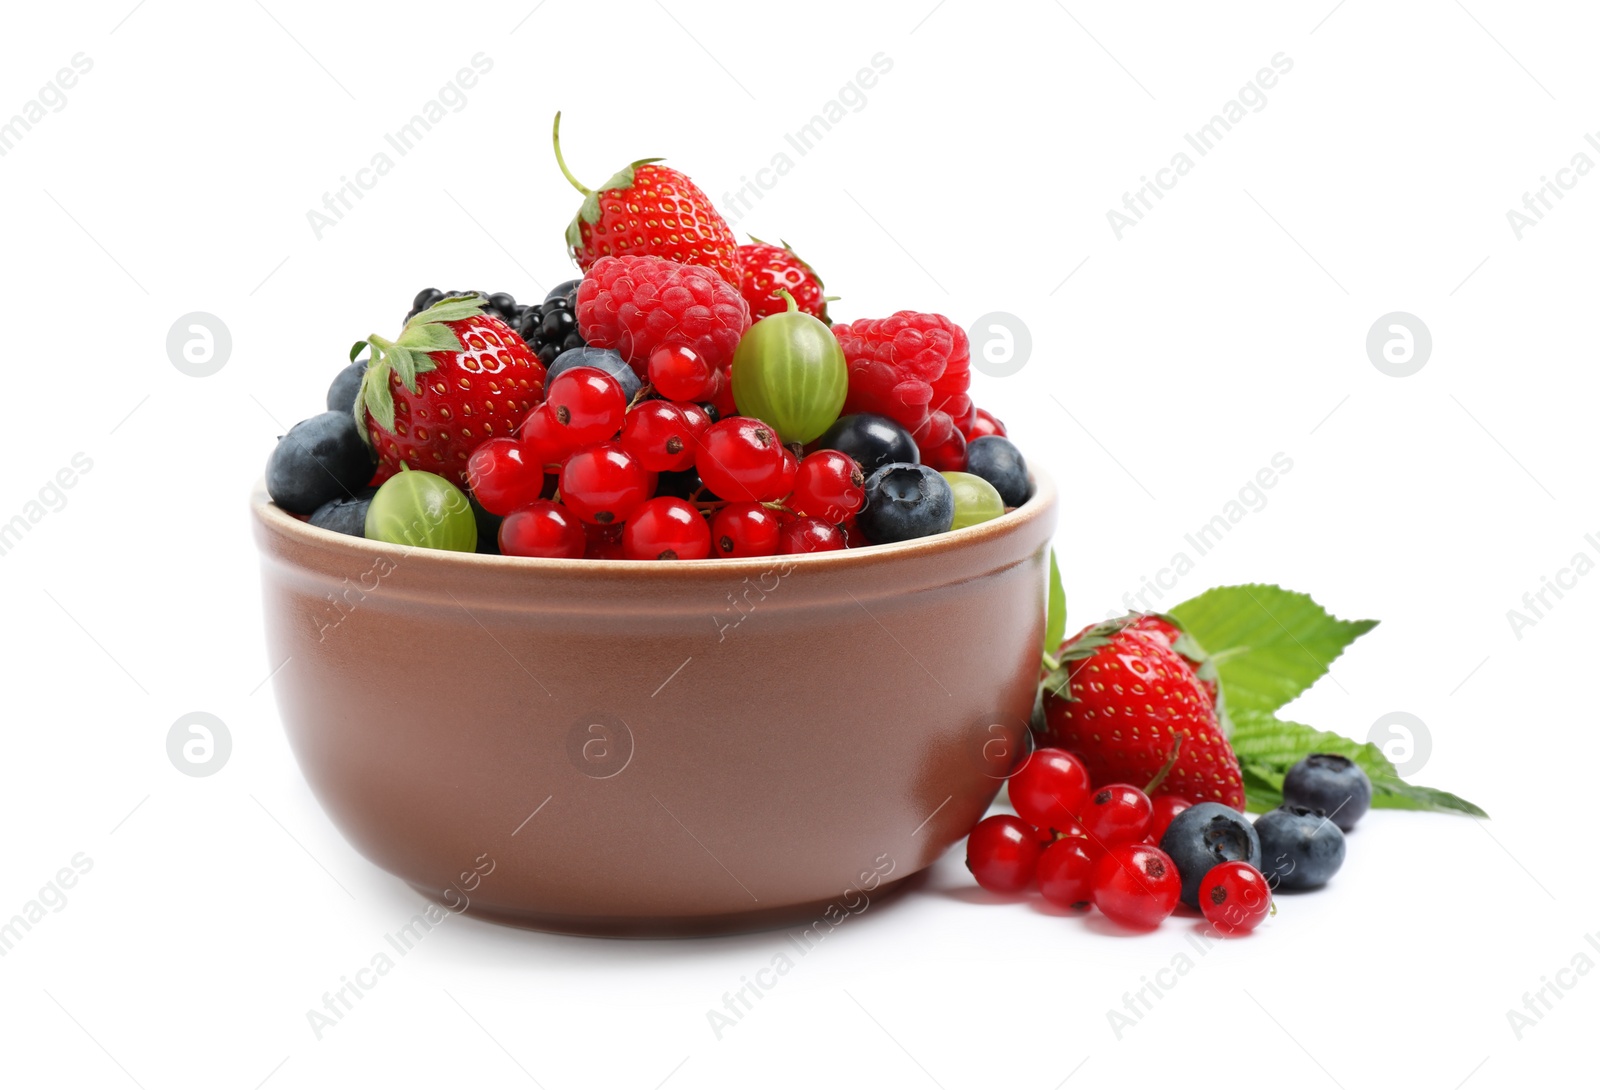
(656, 747)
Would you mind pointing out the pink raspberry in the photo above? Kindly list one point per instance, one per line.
(636, 304)
(913, 368)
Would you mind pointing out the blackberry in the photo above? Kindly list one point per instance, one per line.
(549, 328)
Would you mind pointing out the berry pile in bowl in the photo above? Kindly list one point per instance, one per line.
(765, 588)
(686, 399)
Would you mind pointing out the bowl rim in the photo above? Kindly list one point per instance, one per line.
(272, 518)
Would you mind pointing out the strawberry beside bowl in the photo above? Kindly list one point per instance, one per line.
(603, 747)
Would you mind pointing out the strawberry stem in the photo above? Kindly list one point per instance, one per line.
(555, 137)
(1172, 759)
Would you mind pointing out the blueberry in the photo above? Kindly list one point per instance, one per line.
(1300, 847)
(604, 359)
(342, 393)
(564, 291)
(1204, 835)
(906, 501)
(320, 459)
(997, 460)
(1333, 784)
(873, 441)
(345, 514)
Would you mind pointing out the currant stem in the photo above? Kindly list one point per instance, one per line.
(793, 306)
(555, 137)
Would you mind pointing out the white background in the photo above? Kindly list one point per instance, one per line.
(1168, 367)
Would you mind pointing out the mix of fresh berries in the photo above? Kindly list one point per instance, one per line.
(685, 398)
(1134, 803)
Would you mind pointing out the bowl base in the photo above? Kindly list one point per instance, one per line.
(818, 918)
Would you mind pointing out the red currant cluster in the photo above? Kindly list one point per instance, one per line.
(582, 477)
(1099, 847)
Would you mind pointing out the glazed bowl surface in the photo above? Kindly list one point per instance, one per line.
(620, 747)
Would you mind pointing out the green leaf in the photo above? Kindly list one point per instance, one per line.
(1267, 747)
(1055, 616)
(377, 397)
(430, 337)
(452, 309)
(1268, 644)
(404, 363)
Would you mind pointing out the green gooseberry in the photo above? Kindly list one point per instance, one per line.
(422, 510)
(976, 499)
(790, 372)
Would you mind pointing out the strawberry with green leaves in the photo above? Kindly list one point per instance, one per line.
(454, 378)
(766, 269)
(648, 210)
(1124, 696)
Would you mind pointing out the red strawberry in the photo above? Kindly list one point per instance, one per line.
(765, 268)
(453, 378)
(1122, 698)
(651, 210)
(913, 368)
(636, 304)
(1166, 630)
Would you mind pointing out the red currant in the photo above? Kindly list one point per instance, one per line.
(949, 456)
(658, 434)
(741, 459)
(809, 535)
(542, 528)
(1163, 808)
(744, 529)
(602, 542)
(1117, 813)
(1065, 871)
(604, 483)
(722, 396)
(679, 373)
(1050, 789)
(502, 476)
(1235, 897)
(666, 528)
(588, 405)
(984, 423)
(544, 441)
(829, 485)
(1002, 853)
(699, 420)
(1136, 885)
